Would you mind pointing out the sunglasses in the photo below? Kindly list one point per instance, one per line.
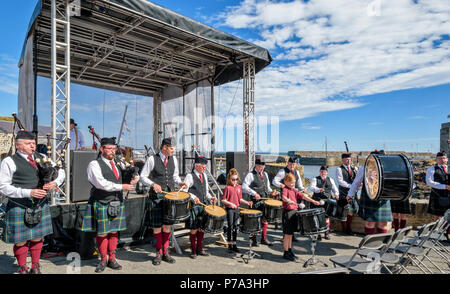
(234, 180)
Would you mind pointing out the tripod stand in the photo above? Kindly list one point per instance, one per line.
(250, 253)
(312, 260)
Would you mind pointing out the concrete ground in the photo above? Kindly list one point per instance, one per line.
(137, 259)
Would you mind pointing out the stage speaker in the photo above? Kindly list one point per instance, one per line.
(80, 187)
(237, 160)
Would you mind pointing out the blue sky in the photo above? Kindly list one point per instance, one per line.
(373, 73)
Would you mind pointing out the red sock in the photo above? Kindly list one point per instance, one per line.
(369, 231)
(200, 236)
(349, 222)
(344, 225)
(35, 251)
(158, 244)
(102, 244)
(165, 242)
(402, 223)
(113, 238)
(328, 222)
(381, 231)
(395, 224)
(21, 253)
(193, 238)
(264, 231)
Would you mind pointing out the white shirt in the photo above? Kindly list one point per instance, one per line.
(429, 179)
(7, 170)
(249, 179)
(357, 182)
(340, 177)
(150, 164)
(315, 189)
(280, 176)
(96, 178)
(189, 180)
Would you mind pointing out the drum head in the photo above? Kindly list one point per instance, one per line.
(177, 195)
(251, 211)
(372, 172)
(215, 210)
(273, 202)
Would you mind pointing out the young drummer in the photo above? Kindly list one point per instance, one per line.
(289, 196)
(232, 198)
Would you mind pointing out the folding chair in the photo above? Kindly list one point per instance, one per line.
(362, 265)
(412, 250)
(387, 253)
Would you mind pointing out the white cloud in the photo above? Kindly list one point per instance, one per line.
(308, 126)
(328, 53)
(9, 74)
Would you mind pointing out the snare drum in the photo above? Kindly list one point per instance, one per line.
(335, 211)
(273, 210)
(250, 221)
(313, 221)
(175, 207)
(214, 219)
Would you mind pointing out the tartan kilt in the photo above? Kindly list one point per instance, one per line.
(156, 219)
(96, 219)
(401, 206)
(353, 207)
(375, 211)
(16, 231)
(196, 218)
(433, 205)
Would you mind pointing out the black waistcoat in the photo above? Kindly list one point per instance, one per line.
(323, 184)
(441, 178)
(348, 178)
(25, 176)
(259, 185)
(109, 175)
(163, 175)
(198, 188)
(288, 171)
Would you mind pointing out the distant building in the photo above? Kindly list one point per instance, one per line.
(445, 137)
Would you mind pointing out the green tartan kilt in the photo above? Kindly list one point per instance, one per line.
(96, 219)
(375, 211)
(196, 218)
(401, 206)
(16, 231)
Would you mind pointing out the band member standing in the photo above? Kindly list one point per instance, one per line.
(160, 173)
(345, 176)
(19, 181)
(438, 177)
(374, 213)
(232, 198)
(105, 212)
(77, 139)
(197, 181)
(324, 189)
(289, 196)
(256, 184)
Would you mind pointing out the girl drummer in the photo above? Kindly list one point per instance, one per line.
(232, 198)
(289, 196)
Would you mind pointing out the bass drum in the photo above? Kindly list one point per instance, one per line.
(388, 177)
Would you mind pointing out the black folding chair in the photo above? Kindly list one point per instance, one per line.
(372, 263)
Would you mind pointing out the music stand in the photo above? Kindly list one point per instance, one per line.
(250, 253)
(313, 260)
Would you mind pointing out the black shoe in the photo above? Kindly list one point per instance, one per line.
(157, 259)
(35, 269)
(319, 238)
(294, 239)
(114, 265)
(193, 254)
(235, 249)
(349, 232)
(292, 254)
(230, 249)
(327, 236)
(167, 258)
(202, 253)
(254, 243)
(23, 270)
(101, 266)
(266, 242)
(288, 256)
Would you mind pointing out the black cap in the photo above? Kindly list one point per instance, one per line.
(168, 141)
(25, 135)
(258, 161)
(324, 167)
(292, 160)
(108, 141)
(73, 122)
(346, 155)
(441, 153)
(201, 160)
